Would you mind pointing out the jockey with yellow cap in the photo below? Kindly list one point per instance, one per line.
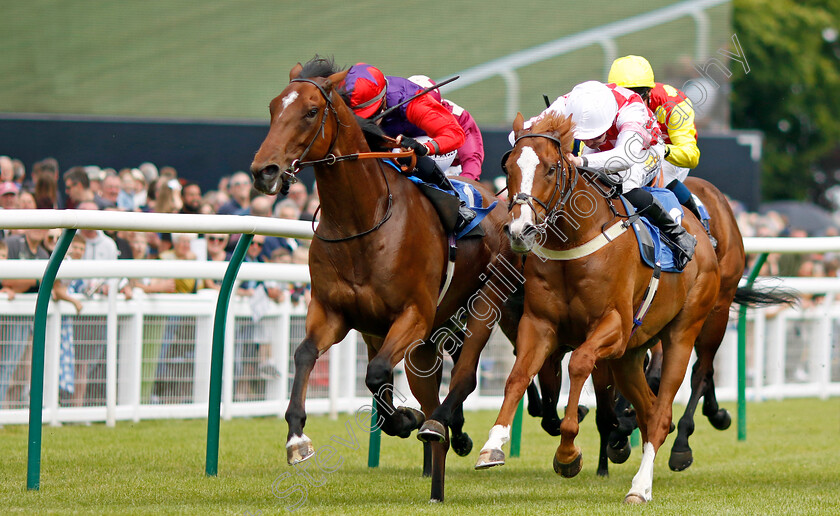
(622, 139)
(675, 116)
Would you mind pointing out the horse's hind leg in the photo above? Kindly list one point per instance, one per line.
(322, 331)
(534, 400)
(605, 418)
(550, 382)
(461, 442)
(702, 384)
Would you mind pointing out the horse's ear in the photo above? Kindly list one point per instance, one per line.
(336, 78)
(295, 71)
(518, 123)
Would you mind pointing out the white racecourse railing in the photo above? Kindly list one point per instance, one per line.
(605, 36)
(792, 352)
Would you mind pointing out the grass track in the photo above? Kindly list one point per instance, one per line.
(789, 465)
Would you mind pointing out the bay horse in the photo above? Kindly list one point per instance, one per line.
(378, 262)
(587, 301)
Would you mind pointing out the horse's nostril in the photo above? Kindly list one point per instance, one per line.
(271, 169)
(530, 228)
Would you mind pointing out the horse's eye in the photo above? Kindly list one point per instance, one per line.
(312, 113)
(551, 171)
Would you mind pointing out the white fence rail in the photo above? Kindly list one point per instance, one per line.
(162, 347)
(605, 36)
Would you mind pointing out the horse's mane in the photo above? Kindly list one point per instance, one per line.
(561, 125)
(319, 67)
(375, 136)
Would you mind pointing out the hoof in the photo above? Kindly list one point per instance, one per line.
(432, 432)
(413, 414)
(534, 409)
(435, 500)
(634, 499)
(571, 469)
(461, 444)
(680, 460)
(619, 455)
(298, 449)
(721, 419)
(490, 458)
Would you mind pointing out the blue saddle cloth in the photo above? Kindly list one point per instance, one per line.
(647, 234)
(466, 192)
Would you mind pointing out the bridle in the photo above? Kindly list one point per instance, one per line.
(290, 174)
(565, 181)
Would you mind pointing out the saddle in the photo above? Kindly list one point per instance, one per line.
(447, 204)
(653, 249)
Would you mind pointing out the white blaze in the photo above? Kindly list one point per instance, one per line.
(527, 163)
(288, 99)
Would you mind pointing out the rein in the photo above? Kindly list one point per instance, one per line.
(331, 159)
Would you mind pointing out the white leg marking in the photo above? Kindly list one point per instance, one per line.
(288, 99)
(527, 163)
(643, 481)
(499, 435)
(297, 440)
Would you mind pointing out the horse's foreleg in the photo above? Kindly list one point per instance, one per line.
(605, 335)
(322, 331)
(535, 341)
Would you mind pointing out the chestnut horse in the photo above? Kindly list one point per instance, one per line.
(584, 297)
(378, 262)
(615, 426)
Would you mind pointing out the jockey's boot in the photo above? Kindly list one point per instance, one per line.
(428, 171)
(691, 204)
(681, 241)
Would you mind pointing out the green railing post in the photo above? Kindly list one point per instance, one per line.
(214, 408)
(635, 438)
(375, 438)
(742, 353)
(516, 437)
(39, 339)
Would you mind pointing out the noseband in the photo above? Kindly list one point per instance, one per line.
(564, 184)
(296, 165)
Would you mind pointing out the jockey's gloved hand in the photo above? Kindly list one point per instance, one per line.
(407, 142)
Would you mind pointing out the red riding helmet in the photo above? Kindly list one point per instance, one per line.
(366, 87)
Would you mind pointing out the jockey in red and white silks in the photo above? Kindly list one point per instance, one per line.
(622, 138)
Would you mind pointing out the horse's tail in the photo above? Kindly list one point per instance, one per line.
(754, 296)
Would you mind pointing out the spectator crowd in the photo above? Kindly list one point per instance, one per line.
(149, 189)
(142, 189)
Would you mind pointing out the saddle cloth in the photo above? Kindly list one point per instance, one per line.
(651, 246)
(447, 204)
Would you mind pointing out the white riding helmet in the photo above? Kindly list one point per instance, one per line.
(592, 107)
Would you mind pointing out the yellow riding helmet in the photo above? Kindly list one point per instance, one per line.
(631, 72)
